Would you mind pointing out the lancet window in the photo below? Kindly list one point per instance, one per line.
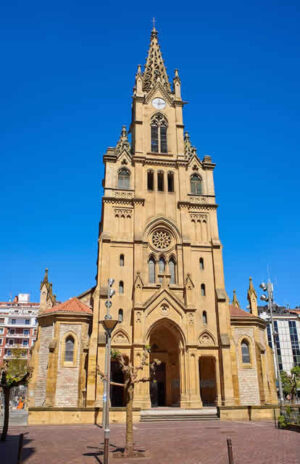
(172, 270)
(69, 349)
(124, 179)
(151, 268)
(159, 125)
(245, 352)
(196, 185)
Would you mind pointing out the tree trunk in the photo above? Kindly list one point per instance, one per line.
(129, 421)
(6, 394)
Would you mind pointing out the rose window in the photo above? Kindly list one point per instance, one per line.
(161, 239)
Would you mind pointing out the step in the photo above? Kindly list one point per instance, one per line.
(178, 414)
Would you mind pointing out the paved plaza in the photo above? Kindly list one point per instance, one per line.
(168, 443)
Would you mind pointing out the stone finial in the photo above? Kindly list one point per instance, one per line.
(47, 298)
(123, 143)
(189, 150)
(252, 298)
(155, 69)
(177, 85)
(235, 301)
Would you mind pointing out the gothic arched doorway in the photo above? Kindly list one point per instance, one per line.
(165, 345)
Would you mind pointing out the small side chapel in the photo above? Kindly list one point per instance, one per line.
(159, 241)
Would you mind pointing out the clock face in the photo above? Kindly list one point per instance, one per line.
(159, 103)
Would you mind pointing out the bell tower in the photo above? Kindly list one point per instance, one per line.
(159, 240)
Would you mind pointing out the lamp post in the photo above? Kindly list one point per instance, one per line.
(109, 324)
(268, 288)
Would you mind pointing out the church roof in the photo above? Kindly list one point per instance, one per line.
(70, 306)
(238, 312)
(155, 70)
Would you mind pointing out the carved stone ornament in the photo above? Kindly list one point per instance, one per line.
(120, 338)
(139, 317)
(161, 239)
(123, 143)
(189, 150)
(164, 310)
(123, 212)
(206, 339)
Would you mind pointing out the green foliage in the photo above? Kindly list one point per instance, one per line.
(114, 353)
(16, 367)
(282, 424)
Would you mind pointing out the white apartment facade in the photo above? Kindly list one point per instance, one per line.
(18, 326)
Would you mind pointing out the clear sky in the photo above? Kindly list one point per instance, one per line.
(67, 73)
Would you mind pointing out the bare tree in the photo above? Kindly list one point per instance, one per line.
(131, 377)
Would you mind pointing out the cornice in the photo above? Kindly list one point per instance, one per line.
(196, 206)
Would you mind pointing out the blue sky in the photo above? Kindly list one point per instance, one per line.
(65, 89)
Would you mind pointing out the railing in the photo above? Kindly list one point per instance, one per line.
(17, 335)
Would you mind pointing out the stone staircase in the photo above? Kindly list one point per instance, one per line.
(178, 414)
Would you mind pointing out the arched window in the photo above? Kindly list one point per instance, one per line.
(160, 181)
(245, 352)
(121, 287)
(203, 290)
(120, 315)
(161, 266)
(159, 127)
(122, 260)
(201, 264)
(151, 267)
(69, 349)
(196, 184)
(204, 317)
(150, 180)
(170, 182)
(172, 271)
(124, 179)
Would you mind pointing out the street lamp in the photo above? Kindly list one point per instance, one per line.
(268, 288)
(109, 324)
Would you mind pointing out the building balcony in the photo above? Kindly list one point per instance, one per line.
(17, 346)
(21, 324)
(8, 335)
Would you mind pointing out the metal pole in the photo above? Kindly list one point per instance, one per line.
(270, 307)
(20, 446)
(107, 429)
(107, 383)
(105, 392)
(229, 449)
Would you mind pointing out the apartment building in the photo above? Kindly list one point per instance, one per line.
(18, 326)
(287, 334)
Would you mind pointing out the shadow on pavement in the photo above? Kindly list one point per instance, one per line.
(9, 449)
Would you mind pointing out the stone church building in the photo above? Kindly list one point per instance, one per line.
(159, 241)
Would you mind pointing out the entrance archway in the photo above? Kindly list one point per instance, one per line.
(208, 385)
(165, 344)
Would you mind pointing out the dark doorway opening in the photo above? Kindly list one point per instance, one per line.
(117, 393)
(158, 387)
(208, 385)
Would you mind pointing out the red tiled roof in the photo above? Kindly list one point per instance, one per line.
(295, 311)
(238, 312)
(70, 306)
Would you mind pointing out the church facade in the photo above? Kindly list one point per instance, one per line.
(159, 241)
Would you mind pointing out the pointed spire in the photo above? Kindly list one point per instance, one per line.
(45, 279)
(123, 143)
(155, 69)
(189, 150)
(251, 289)
(235, 301)
(252, 298)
